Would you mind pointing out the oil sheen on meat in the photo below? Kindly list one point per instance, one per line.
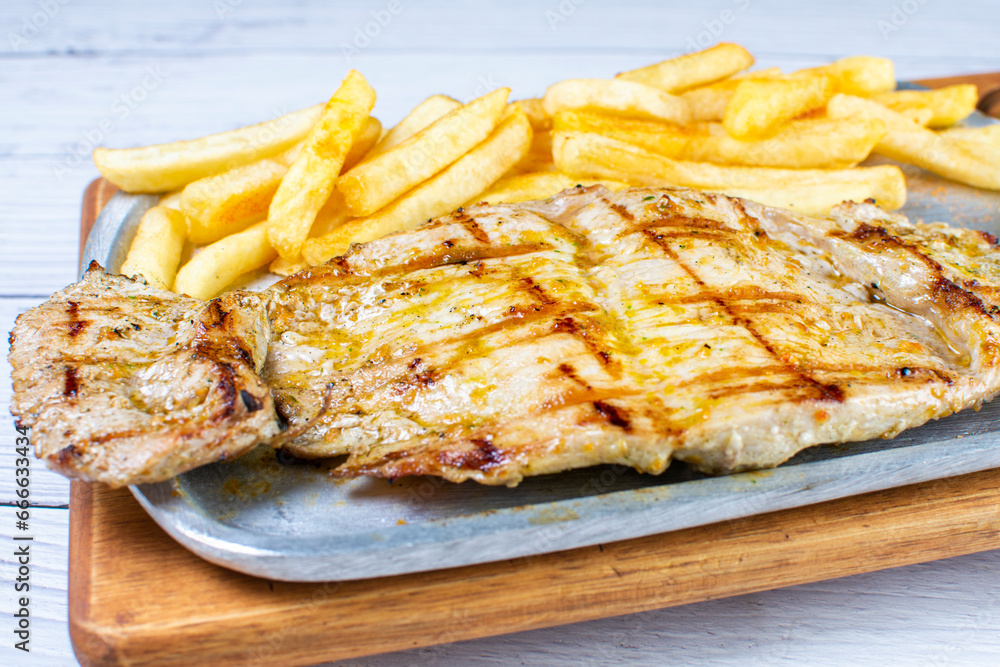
(504, 341)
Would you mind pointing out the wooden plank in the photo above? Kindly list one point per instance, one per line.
(121, 613)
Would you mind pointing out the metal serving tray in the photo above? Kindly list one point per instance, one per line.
(289, 520)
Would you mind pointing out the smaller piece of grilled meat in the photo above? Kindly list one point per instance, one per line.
(124, 383)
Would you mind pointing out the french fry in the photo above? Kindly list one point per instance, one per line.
(618, 96)
(171, 199)
(458, 183)
(988, 135)
(332, 215)
(539, 155)
(982, 142)
(376, 182)
(310, 179)
(230, 202)
(692, 70)
(808, 191)
(759, 106)
(169, 166)
(156, 249)
(823, 143)
(857, 75)
(709, 102)
(423, 114)
(534, 109)
(364, 144)
(907, 141)
(538, 185)
(217, 265)
(948, 105)
(663, 138)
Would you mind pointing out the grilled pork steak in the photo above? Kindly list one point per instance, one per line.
(123, 383)
(497, 343)
(636, 327)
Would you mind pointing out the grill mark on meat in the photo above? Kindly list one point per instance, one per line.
(570, 326)
(539, 293)
(822, 392)
(619, 209)
(470, 225)
(76, 325)
(944, 291)
(674, 220)
(333, 273)
(71, 386)
(614, 415)
(733, 295)
(570, 372)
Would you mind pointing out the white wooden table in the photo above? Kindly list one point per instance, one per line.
(76, 74)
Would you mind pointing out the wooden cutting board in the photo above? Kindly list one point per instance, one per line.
(137, 597)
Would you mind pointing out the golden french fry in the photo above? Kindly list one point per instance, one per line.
(311, 178)
(663, 138)
(988, 135)
(461, 181)
(539, 155)
(948, 105)
(364, 144)
(809, 191)
(168, 166)
(217, 265)
(230, 202)
(907, 141)
(425, 113)
(156, 248)
(534, 109)
(759, 106)
(332, 215)
(857, 75)
(538, 185)
(823, 143)
(234, 200)
(692, 70)
(171, 199)
(618, 96)
(983, 142)
(709, 102)
(376, 182)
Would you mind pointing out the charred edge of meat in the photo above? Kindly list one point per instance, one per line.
(944, 291)
(67, 454)
(613, 415)
(483, 456)
(989, 238)
(251, 402)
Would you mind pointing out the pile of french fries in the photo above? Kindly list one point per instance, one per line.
(298, 190)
